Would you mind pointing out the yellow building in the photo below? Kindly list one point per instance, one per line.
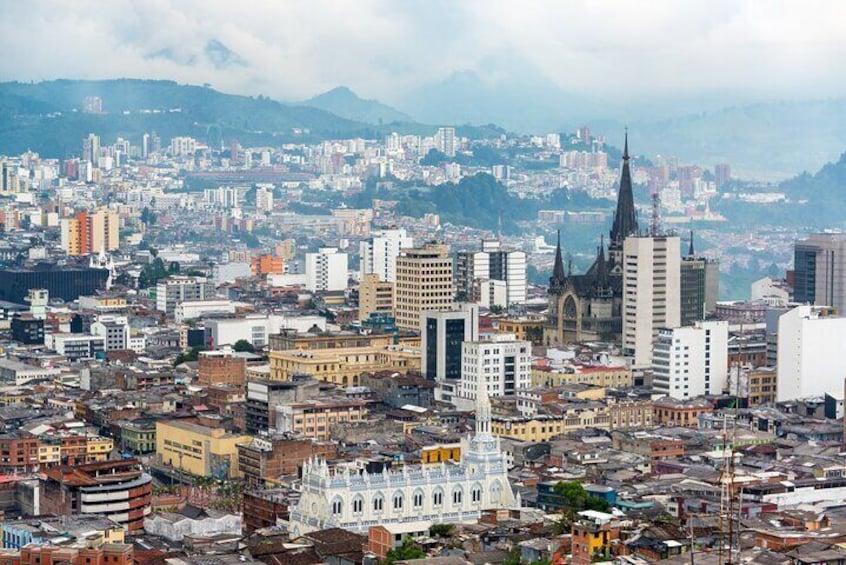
(97, 449)
(342, 367)
(423, 282)
(525, 329)
(609, 377)
(544, 427)
(375, 297)
(49, 453)
(198, 450)
(431, 454)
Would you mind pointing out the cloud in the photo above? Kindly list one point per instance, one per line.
(382, 49)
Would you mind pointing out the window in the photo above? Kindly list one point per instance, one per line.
(456, 496)
(437, 498)
(398, 500)
(378, 503)
(337, 507)
(476, 494)
(418, 499)
(358, 505)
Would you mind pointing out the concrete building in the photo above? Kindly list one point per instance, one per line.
(90, 232)
(498, 363)
(445, 141)
(75, 346)
(114, 330)
(699, 286)
(194, 309)
(809, 341)
(222, 366)
(375, 296)
(326, 270)
(258, 328)
(343, 366)
(475, 270)
(178, 288)
(819, 270)
(442, 334)
(195, 449)
(379, 253)
(424, 282)
(651, 273)
(691, 361)
(314, 418)
(264, 396)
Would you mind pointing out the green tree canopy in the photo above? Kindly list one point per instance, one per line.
(243, 345)
(406, 551)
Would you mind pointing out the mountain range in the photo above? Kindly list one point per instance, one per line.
(768, 141)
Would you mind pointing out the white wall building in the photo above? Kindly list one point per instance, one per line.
(442, 333)
(651, 293)
(257, 328)
(442, 494)
(499, 363)
(379, 253)
(810, 343)
(114, 330)
(199, 308)
(445, 141)
(774, 292)
(175, 289)
(691, 361)
(326, 270)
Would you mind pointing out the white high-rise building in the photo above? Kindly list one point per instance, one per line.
(264, 198)
(326, 270)
(498, 363)
(691, 361)
(354, 500)
(175, 289)
(445, 141)
(810, 340)
(379, 253)
(183, 146)
(651, 293)
(492, 263)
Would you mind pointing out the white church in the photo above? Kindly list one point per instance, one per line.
(445, 493)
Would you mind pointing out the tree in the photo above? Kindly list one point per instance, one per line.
(574, 499)
(189, 355)
(243, 345)
(406, 551)
(441, 530)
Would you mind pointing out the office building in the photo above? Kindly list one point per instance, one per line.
(819, 270)
(445, 141)
(722, 174)
(498, 363)
(179, 288)
(60, 281)
(91, 149)
(691, 361)
(651, 273)
(379, 253)
(90, 232)
(75, 346)
(27, 330)
(326, 270)
(424, 282)
(810, 339)
(473, 269)
(375, 297)
(114, 330)
(443, 332)
(264, 396)
(700, 286)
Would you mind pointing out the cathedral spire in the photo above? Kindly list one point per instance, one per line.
(558, 268)
(625, 217)
(601, 264)
(690, 252)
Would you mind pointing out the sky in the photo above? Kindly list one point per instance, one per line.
(383, 49)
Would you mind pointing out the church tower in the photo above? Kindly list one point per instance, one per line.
(625, 217)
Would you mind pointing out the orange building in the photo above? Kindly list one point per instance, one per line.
(108, 553)
(267, 265)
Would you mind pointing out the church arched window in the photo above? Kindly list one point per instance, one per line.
(398, 500)
(417, 499)
(438, 497)
(457, 495)
(337, 506)
(358, 505)
(378, 502)
(476, 493)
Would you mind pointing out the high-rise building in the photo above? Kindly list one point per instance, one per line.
(445, 141)
(498, 363)
(700, 286)
(91, 232)
(691, 361)
(375, 297)
(91, 149)
(145, 145)
(423, 282)
(442, 334)
(819, 270)
(326, 270)
(178, 288)
(722, 174)
(492, 263)
(651, 273)
(379, 253)
(808, 364)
